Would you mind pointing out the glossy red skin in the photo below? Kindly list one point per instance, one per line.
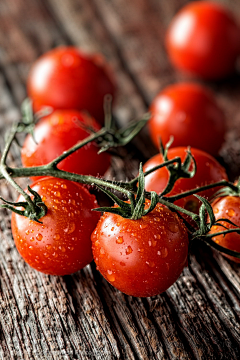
(67, 78)
(61, 245)
(57, 133)
(141, 257)
(227, 207)
(189, 113)
(208, 172)
(204, 39)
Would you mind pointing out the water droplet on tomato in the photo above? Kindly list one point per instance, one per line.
(97, 243)
(173, 227)
(141, 250)
(27, 232)
(57, 193)
(102, 252)
(122, 263)
(164, 252)
(119, 240)
(56, 236)
(64, 186)
(230, 212)
(112, 228)
(215, 210)
(111, 277)
(129, 250)
(150, 243)
(39, 237)
(70, 228)
(32, 238)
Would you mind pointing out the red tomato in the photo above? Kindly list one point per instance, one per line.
(66, 78)
(204, 39)
(190, 113)
(61, 245)
(208, 172)
(58, 132)
(228, 208)
(141, 257)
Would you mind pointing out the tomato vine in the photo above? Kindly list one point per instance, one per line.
(134, 190)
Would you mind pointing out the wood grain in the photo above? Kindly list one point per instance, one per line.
(82, 316)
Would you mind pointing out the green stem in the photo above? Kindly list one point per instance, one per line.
(79, 145)
(199, 189)
(4, 169)
(164, 164)
(220, 248)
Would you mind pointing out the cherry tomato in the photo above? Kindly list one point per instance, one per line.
(208, 172)
(204, 39)
(141, 257)
(66, 78)
(58, 132)
(61, 245)
(228, 208)
(190, 113)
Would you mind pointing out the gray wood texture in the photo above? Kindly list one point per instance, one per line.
(82, 316)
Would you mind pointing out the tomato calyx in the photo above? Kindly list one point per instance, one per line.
(120, 137)
(29, 119)
(135, 208)
(179, 169)
(40, 209)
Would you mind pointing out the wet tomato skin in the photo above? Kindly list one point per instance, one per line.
(190, 113)
(61, 245)
(57, 133)
(228, 208)
(67, 78)
(141, 257)
(208, 171)
(203, 39)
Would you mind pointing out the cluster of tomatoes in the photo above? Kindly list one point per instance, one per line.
(140, 257)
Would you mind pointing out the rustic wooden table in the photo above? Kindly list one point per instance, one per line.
(82, 316)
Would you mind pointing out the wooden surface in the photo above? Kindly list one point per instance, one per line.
(82, 316)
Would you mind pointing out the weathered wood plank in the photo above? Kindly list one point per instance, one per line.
(82, 316)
